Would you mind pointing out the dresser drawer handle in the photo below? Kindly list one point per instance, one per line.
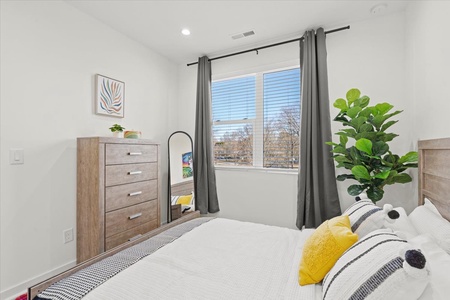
(134, 153)
(135, 216)
(135, 193)
(134, 237)
(134, 172)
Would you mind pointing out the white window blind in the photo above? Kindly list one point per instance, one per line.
(256, 120)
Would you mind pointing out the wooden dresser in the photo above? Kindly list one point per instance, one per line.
(118, 192)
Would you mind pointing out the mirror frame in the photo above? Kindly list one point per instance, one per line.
(169, 183)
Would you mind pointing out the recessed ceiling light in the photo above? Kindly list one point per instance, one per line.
(186, 31)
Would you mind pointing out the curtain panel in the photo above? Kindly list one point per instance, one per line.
(317, 198)
(204, 174)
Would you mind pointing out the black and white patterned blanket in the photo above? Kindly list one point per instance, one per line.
(79, 284)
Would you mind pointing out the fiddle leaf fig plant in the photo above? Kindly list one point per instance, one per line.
(363, 147)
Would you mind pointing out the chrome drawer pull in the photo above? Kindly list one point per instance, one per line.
(135, 193)
(134, 237)
(134, 172)
(134, 153)
(135, 216)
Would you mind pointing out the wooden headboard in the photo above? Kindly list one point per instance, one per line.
(434, 174)
(182, 188)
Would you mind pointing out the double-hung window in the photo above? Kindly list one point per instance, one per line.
(256, 119)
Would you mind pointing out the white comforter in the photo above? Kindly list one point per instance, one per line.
(221, 259)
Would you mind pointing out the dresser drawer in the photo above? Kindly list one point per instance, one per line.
(122, 174)
(127, 235)
(120, 196)
(117, 154)
(129, 217)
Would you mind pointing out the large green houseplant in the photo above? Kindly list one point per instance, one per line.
(363, 146)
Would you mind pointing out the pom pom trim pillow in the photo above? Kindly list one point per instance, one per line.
(366, 217)
(323, 248)
(379, 266)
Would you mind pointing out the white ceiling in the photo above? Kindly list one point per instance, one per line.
(158, 24)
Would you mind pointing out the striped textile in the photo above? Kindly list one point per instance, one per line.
(79, 284)
(373, 268)
(365, 217)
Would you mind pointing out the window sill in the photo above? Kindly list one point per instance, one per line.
(258, 170)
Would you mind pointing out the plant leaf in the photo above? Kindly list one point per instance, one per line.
(366, 127)
(388, 137)
(349, 132)
(387, 125)
(352, 95)
(355, 189)
(341, 104)
(383, 108)
(380, 148)
(375, 194)
(366, 135)
(341, 159)
(353, 112)
(361, 172)
(410, 157)
(366, 112)
(363, 101)
(402, 178)
(383, 175)
(364, 145)
(339, 149)
(411, 165)
(343, 140)
(344, 177)
(331, 144)
(340, 118)
(357, 122)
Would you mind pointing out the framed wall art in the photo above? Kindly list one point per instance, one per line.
(186, 159)
(109, 96)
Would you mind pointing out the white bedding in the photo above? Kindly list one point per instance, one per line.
(221, 259)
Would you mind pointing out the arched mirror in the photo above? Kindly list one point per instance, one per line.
(181, 198)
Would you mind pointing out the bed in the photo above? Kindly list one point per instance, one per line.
(213, 258)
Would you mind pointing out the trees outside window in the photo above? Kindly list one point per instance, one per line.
(256, 120)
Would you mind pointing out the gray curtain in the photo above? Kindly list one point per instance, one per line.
(204, 174)
(317, 198)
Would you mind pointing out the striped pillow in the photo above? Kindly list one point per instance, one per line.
(365, 217)
(379, 266)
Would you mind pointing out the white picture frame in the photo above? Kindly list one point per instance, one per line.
(109, 96)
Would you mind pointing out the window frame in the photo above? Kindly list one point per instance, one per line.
(258, 121)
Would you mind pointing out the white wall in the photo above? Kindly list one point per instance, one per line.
(428, 54)
(369, 56)
(50, 53)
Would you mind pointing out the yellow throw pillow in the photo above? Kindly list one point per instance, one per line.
(184, 200)
(324, 247)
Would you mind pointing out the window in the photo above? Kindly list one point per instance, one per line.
(256, 120)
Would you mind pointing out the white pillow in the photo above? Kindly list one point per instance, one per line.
(429, 205)
(365, 217)
(402, 226)
(375, 268)
(427, 222)
(438, 263)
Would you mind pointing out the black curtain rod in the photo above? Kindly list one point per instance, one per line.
(268, 46)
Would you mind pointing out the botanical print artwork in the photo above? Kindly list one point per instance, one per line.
(187, 164)
(110, 96)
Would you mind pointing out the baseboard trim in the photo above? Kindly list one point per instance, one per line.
(21, 288)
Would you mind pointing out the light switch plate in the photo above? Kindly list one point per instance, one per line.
(16, 156)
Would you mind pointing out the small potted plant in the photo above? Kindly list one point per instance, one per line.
(116, 129)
